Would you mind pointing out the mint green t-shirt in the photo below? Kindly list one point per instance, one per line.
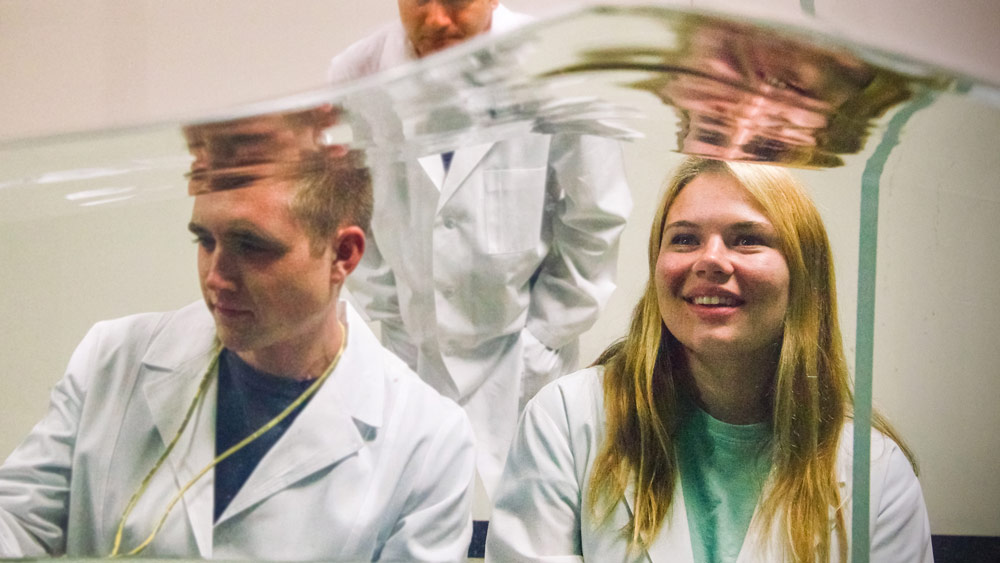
(723, 469)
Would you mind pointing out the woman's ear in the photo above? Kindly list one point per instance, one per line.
(348, 247)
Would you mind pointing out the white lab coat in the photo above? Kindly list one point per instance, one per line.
(377, 466)
(484, 277)
(540, 513)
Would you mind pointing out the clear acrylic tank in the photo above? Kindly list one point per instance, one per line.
(899, 155)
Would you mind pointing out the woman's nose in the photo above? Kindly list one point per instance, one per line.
(713, 259)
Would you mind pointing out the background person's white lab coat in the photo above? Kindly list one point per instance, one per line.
(375, 465)
(484, 276)
(541, 516)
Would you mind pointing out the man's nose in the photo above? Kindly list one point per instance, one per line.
(437, 14)
(713, 259)
(221, 272)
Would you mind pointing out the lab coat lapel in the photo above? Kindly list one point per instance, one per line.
(169, 393)
(333, 426)
(753, 549)
(673, 543)
(463, 163)
(434, 168)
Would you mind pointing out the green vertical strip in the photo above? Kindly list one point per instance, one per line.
(808, 7)
(865, 339)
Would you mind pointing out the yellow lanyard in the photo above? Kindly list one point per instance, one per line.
(202, 389)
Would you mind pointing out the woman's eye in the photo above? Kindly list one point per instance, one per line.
(749, 240)
(683, 239)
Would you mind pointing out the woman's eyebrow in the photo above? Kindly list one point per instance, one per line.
(748, 225)
(682, 223)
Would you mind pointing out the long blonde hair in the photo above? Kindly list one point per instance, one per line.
(811, 395)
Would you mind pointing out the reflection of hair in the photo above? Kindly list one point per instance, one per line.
(332, 193)
(811, 395)
(332, 184)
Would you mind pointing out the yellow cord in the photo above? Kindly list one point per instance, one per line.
(202, 388)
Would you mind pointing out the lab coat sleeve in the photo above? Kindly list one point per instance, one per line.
(577, 277)
(35, 479)
(436, 524)
(536, 516)
(901, 530)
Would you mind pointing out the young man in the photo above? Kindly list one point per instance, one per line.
(491, 260)
(357, 459)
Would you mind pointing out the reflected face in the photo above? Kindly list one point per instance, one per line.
(721, 280)
(265, 284)
(433, 25)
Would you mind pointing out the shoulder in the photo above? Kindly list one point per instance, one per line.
(382, 49)
(894, 487)
(404, 400)
(579, 393)
(886, 455)
(107, 360)
(569, 409)
(418, 398)
(900, 528)
(506, 20)
(154, 332)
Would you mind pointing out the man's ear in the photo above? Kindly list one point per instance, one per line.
(348, 247)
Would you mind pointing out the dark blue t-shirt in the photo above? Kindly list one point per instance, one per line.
(248, 399)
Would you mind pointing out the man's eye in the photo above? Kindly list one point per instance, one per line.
(257, 249)
(205, 242)
(249, 247)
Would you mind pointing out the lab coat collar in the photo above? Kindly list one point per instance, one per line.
(673, 543)
(171, 376)
(345, 413)
(463, 163)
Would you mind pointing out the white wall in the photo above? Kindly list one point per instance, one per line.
(91, 64)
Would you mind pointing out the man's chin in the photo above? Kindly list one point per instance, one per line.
(428, 49)
(234, 340)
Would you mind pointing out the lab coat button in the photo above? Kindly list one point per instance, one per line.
(449, 223)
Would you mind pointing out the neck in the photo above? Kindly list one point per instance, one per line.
(736, 390)
(302, 358)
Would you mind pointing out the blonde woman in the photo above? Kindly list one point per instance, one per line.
(719, 428)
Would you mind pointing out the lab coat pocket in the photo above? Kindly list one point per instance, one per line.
(514, 202)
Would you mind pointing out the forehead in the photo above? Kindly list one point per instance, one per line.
(266, 202)
(449, 4)
(715, 196)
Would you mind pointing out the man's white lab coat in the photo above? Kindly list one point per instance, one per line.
(484, 276)
(376, 466)
(541, 515)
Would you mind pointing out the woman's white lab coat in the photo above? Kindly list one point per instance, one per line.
(376, 466)
(540, 513)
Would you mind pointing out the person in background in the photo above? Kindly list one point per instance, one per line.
(266, 422)
(486, 263)
(719, 429)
